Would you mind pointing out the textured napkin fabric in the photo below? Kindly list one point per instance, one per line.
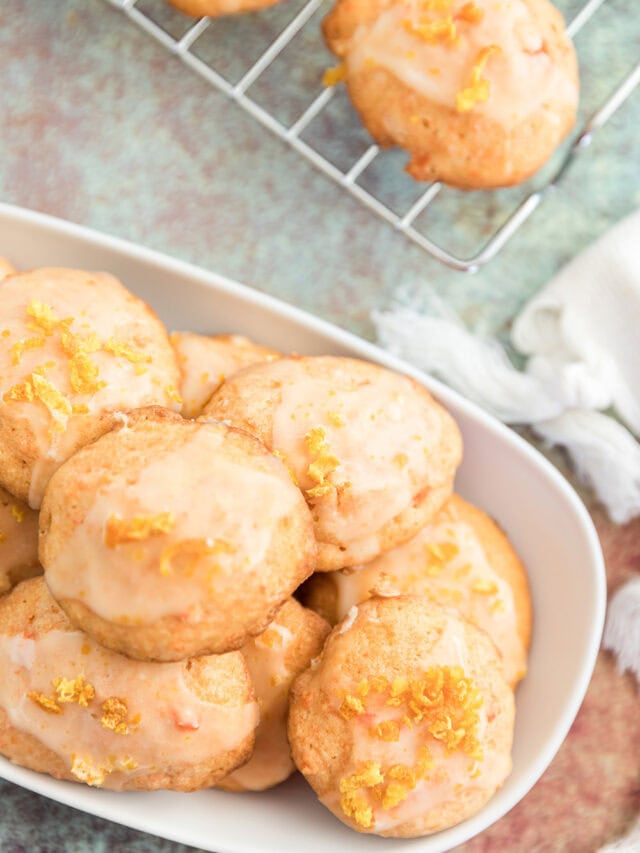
(580, 387)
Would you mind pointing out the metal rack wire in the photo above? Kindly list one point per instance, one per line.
(349, 178)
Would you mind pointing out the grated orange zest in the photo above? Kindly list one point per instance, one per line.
(333, 76)
(478, 88)
(119, 531)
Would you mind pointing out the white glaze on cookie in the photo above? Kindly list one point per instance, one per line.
(191, 545)
(522, 77)
(111, 719)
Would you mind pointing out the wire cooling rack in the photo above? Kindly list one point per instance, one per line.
(359, 173)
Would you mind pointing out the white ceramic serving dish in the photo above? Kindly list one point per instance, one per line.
(540, 512)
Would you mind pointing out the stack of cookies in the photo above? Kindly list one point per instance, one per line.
(163, 647)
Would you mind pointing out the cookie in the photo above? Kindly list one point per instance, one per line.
(479, 94)
(168, 538)
(372, 451)
(18, 542)
(218, 8)
(76, 348)
(74, 710)
(461, 559)
(274, 659)
(206, 361)
(404, 725)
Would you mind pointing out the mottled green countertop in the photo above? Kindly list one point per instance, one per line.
(102, 126)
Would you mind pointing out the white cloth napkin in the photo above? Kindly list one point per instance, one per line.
(622, 630)
(580, 387)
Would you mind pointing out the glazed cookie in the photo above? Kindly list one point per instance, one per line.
(404, 726)
(372, 451)
(77, 711)
(274, 658)
(480, 94)
(169, 538)
(206, 361)
(18, 542)
(461, 559)
(218, 8)
(75, 348)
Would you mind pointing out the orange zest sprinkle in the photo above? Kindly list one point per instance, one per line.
(357, 807)
(398, 686)
(269, 638)
(36, 387)
(474, 770)
(425, 761)
(370, 785)
(363, 687)
(120, 530)
(470, 14)
(20, 346)
(388, 730)
(401, 773)
(440, 31)
(395, 793)
(22, 392)
(351, 707)
(187, 553)
(367, 775)
(122, 349)
(74, 344)
(437, 21)
(439, 555)
(84, 769)
(115, 715)
(323, 464)
(478, 88)
(172, 393)
(436, 5)
(401, 459)
(485, 587)
(83, 375)
(378, 684)
(74, 690)
(463, 571)
(45, 702)
(443, 701)
(17, 512)
(43, 316)
(333, 76)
